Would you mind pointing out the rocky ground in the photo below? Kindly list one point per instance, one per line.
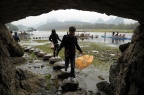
(87, 78)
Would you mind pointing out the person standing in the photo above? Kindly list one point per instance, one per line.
(54, 39)
(16, 38)
(70, 43)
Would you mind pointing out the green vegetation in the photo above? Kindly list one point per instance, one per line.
(102, 59)
(48, 81)
(47, 48)
(103, 30)
(110, 30)
(41, 41)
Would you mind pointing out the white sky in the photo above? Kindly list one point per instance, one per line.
(65, 15)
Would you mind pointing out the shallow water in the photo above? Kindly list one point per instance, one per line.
(108, 41)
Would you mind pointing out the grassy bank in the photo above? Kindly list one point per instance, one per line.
(103, 58)
(102, 30)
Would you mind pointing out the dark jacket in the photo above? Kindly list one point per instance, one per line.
(70, 44)
(16, 38)
(54, 38)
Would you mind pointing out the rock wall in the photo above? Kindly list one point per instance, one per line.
(12, 10)
(7, 70)
(12, 81)
(127, 74)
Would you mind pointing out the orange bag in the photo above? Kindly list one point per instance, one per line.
(83, 61)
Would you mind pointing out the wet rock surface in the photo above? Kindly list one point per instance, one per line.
(81, 85)
(70, 84)
(127, 73)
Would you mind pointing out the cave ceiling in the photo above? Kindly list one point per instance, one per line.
(12, 10)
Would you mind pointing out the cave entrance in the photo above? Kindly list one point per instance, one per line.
(98, 41)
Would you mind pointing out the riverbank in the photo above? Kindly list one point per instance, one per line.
(101, 30)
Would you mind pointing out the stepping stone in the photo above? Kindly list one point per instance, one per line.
(41, 54)
(36, 51)
(47, 56)
(24, 47)
(59, 65)
(112, 54)
(52, 60)
(63, 75)
(31, 50)
(95, 51)
(70, 84)
(27, 49)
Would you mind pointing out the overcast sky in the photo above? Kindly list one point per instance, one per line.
(65, 15)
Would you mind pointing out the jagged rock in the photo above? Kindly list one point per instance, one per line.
(18, 60)
(59, 65)
(47, 56)
(30, 83)
(70, 84)
(105, 87)
(123, 47)
(52, 60)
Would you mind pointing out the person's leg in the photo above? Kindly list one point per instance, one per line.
(55, 48)
(72, 62)
(66, 63)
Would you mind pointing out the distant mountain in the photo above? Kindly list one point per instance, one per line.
(110, 21)
(100, 20)
(118, 20)
(12, 27)
(51, 20)
(22, 27)
(60, 25)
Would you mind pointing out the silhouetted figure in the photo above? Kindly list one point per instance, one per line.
(120, 37)
(123, 37)
(54, 39)
(16, 38)
(69, 42)
(116, 37)
(113, 35)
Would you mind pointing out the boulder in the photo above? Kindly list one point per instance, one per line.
(41, 54)
(123, 47)
(27, 49)
(52, 60)
(31, 50)
(70, 84)
(59, 65)
(63, 75)
(36, 51)
(105, 87)
(47, 56)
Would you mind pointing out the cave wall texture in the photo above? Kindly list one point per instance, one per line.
(17, 9)
(126, 76)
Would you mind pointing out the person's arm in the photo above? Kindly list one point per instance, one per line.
(59, 38)
(50, 38)
(62, 44)
(77, 46)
